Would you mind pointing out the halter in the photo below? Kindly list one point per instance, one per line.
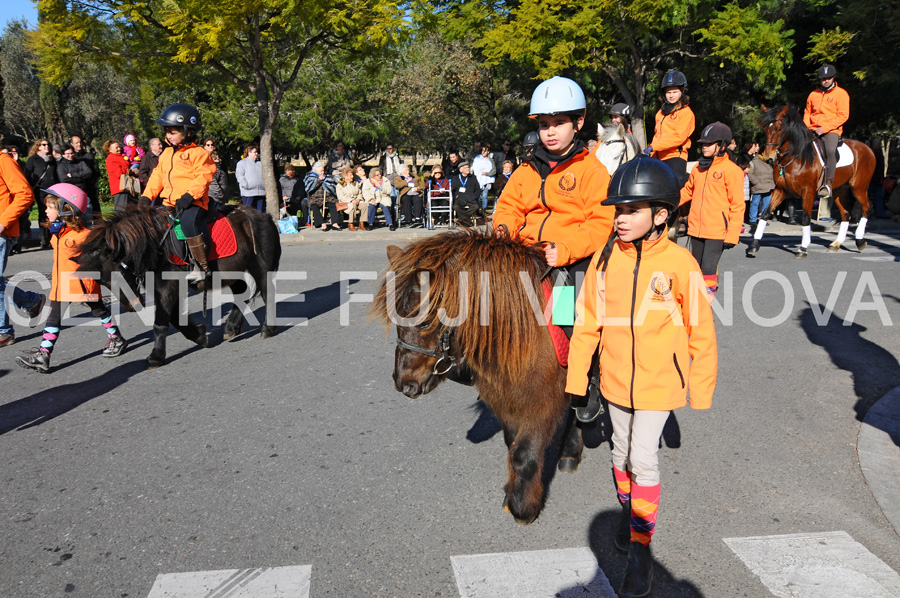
(441, 352)
(623, 157)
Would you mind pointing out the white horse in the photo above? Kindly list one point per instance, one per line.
(615, 147)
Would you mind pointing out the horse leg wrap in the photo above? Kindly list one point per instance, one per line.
(842, 232)
(760, 229)
(644, 506)
(807, 237)
(861, 228)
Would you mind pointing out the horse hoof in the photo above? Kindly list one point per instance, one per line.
(152, 364)
(834, 248)
(568, 465)
(801, 253)
(228, 335)
(267, 332)
(861, 245)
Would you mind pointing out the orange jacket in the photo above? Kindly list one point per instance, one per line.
(827, 109)
(672, 136)
(16, 195)
(64, 286)
(717, 201)
(658, 336)
(563, 209)
(189, 169)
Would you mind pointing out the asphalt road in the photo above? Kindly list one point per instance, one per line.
(297, 450)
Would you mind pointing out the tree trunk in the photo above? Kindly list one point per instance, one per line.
(267, 115)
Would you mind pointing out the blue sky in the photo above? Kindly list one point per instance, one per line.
(14, 9)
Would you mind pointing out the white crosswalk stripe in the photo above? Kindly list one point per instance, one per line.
(535, 574)
(816, 565)
(266, 582)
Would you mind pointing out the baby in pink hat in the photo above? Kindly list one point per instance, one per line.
(132, 151)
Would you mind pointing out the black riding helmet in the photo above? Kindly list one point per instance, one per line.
(644, 179)
(674, 79)
(717, 132)
(181, 115)
(620, 109)
(826, 71)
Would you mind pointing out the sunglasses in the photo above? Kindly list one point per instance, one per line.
(210, 145)
(43, 144)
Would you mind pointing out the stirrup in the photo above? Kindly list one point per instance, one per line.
(824, 191)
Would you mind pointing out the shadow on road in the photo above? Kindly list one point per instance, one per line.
(612, 563)
(874, 370)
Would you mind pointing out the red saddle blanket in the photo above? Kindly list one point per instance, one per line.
(223, 242)
(557, 335)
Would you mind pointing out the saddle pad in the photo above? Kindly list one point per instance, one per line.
(845, 155)
(224, 243)
(557, 335)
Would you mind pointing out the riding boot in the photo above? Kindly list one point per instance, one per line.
(198, 250)
(791, 216)
(589, 407)
(622, 537)
(638, 572)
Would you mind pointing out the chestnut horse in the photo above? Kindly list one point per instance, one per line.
(799, 173)
(468, 304)
(131, 243)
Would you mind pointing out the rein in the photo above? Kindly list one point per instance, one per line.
(441, 352)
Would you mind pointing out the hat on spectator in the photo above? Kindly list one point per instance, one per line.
(463, 163)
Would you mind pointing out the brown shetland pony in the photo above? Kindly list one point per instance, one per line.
(798, 173)
(489, 331)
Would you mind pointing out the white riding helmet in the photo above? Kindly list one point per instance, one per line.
(558, 95)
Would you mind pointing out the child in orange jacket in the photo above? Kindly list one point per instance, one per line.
(716, 192)
(66, 206)
(554, 200)
(674, 125)
(645, 294)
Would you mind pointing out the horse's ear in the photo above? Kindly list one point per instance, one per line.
(393, 252)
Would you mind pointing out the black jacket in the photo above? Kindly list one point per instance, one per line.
(148, 163)
(472, 194)
(40, 173)
(74, 171)
(218, 188)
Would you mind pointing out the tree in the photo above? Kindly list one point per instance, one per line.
(258, 47)
(630, 41)
(22, 112)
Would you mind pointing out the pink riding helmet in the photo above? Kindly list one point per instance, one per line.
(70, 195)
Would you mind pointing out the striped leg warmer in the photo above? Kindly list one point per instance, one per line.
(51, 335)
(644, 505)
(623, 485)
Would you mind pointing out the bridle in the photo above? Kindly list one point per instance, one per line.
(441, 352)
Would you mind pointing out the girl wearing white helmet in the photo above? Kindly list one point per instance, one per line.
(554, 201)
(66, 207)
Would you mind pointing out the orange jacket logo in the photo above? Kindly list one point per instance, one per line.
(567, 182)
(717, 174)
(662, 288)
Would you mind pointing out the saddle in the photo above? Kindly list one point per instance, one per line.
(844, 154)
(557, 334)
(222, 242)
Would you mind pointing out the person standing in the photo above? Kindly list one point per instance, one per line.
(218, 188)
(716, 192)
(85, 155)
(827, 109)
(149, 161)
(674, 125)
(75, 172)
(450, 164)
(116, 166)
(250, 179)
(16, 197)
(41, 172)
(762, 183)
(665, 356)
(484, 168)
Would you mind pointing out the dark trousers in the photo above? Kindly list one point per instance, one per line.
(465, 212)
(411, 206)
(193, 222)
(707, 252)
(257, 202)
(679, 167)
(830, 141)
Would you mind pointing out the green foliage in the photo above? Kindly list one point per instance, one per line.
(763, 49)
(828, 46)
(22, 112)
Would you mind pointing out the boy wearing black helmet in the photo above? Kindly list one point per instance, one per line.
(645, 295)
(182, 180)
(827, 109)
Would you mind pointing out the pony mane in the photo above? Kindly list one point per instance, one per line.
(511, 323)
(131, 234)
